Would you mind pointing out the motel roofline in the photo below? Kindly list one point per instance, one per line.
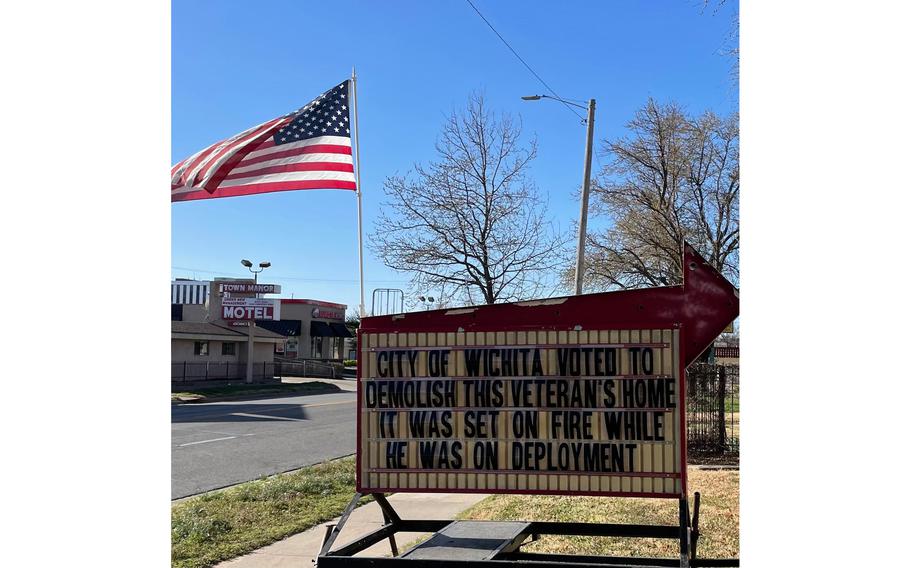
(211, 331)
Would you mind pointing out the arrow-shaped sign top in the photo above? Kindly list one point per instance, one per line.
(702, 307)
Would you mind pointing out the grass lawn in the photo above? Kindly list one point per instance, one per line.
(718, 522)
(214, 393)
(224, 524)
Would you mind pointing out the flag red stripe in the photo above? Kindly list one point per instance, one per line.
(266, 144)
(270, 143)
(229, 164)
(264, 188)
(299, 167)
(177, 167)
(249, 139)
(314, 149)
(196, 161)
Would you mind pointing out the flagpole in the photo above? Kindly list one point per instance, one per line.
(359, 191)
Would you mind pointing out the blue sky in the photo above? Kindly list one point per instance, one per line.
(236, 64)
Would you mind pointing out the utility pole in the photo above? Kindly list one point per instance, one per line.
(585, 193)
(585, 186)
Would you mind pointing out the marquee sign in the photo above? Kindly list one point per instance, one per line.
(250, 309)
(577, 395)
(544, 411)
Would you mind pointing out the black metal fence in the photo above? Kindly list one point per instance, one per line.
(309, 368)
(712, 408)
(195, 371)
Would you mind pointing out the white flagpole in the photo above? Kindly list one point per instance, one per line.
(359, 190)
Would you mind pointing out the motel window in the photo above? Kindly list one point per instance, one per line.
(201, 348)
(228, 348)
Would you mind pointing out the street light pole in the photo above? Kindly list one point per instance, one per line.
(585, 187)
(249, 345)
(585, 193)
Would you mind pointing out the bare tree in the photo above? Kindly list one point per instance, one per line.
(673, 178)
(731, 42)
(471, 223)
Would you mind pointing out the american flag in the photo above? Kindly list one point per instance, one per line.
(306, 149)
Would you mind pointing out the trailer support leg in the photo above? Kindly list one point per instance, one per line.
(683, 532)
(330, 537)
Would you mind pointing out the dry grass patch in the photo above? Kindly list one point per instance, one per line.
(223, 524)
(718, 523)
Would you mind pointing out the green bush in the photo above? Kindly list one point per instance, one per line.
(350, 362)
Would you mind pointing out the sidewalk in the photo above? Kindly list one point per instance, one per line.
(301, 549)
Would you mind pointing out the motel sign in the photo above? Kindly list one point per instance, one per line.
(250, 309)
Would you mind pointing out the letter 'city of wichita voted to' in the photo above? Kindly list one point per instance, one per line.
(580, 412)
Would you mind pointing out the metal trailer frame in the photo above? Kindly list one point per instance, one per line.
(508, 552)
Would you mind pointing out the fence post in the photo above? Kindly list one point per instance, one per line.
(722, 396)
(184, 371)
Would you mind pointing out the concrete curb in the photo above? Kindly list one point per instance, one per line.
(285, 472)
(258, 396)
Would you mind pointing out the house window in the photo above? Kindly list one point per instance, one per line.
(228, 348)
(201, 348)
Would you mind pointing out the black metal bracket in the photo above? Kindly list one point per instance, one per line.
(686, 532)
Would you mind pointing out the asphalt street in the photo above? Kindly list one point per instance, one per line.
(218, 444)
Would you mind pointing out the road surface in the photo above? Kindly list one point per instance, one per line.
(222, 443)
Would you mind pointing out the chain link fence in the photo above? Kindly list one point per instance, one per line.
(712, 409)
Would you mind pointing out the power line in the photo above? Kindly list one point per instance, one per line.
(544, 83)
(277, 277)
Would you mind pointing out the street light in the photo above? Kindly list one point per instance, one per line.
(585, 188)
(262, 266)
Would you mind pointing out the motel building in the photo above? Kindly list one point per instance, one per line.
(205, 346)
